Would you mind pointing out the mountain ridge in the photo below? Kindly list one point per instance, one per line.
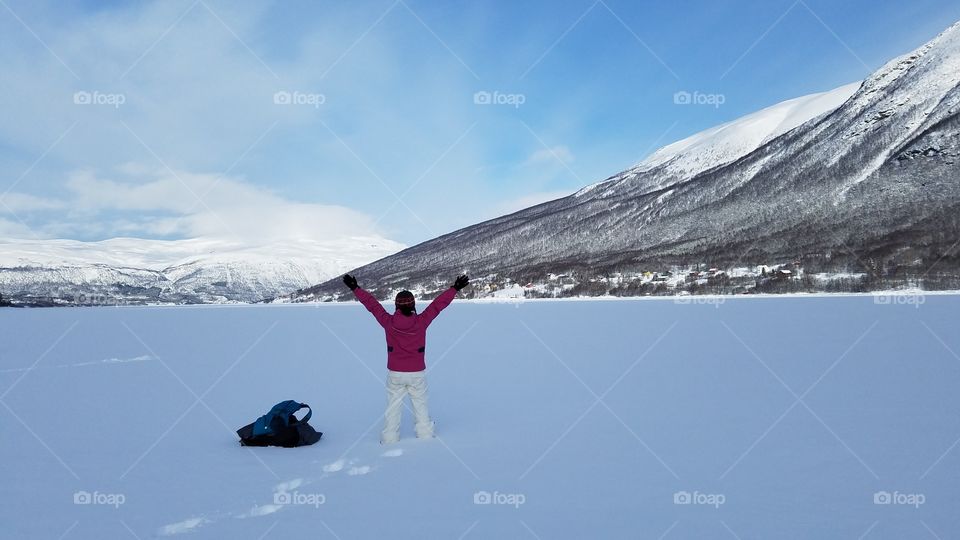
(139, 271)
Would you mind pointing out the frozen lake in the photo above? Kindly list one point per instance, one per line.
(751, 418)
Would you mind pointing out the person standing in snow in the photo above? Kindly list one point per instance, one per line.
(406, 332)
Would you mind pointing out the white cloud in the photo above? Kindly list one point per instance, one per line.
(198, 93)
(198, 98)
(14, 229)
(92, 194)
(558, 154)
(184, 204)
(24, 202)
(539, 168)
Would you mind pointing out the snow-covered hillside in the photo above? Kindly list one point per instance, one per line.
(800, 418)
(728, 142)
(132, 270)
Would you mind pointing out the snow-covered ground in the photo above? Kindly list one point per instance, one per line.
(820, 417)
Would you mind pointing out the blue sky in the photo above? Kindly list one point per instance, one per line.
(184, 136)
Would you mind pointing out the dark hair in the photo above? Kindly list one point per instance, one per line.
(404, 298)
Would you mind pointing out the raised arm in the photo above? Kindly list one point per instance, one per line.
(442, 301)
(368, 301)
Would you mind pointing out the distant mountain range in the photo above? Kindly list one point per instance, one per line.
(137, 271)
(854, 189)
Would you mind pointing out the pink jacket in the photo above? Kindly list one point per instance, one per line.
(406, 336)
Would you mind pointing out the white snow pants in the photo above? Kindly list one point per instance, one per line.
(399, 384)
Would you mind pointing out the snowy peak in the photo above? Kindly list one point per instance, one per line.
(936, 62)
(728, 142)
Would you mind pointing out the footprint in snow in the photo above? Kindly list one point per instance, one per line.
(340, 464)
(289, 485)
(257, 511)
(358, 471)
(263, 510)
(183, 526)
(336, 466)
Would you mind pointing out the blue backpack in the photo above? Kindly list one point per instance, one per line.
(280, 427)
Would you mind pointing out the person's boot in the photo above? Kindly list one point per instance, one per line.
(425, 431)
(389, 438)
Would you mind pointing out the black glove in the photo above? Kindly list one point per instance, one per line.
(461, 282)
(350, 281)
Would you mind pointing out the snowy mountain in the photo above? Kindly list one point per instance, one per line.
(730, 141)
(866, 185)
(130, 270)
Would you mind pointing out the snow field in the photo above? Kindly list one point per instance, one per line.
(821, 417)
